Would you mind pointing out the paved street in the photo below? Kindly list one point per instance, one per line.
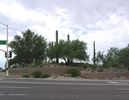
(41, 89)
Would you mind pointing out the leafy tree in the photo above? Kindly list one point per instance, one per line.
(68, 50)
(51, 51)
(39, 48)
(29, 48)
(64, 50)
(124, 57)
(111, 59)
(78, 50)
(62, 47)
(118, 58)
(99, 57)
(99, 60)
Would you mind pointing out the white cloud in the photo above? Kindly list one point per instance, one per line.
(17, 13)
(114, 33)
(13, 11)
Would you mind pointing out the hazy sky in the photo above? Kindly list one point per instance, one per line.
(103, 21)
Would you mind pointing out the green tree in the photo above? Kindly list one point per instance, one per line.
(99, 57)
(28, 49)
(64, 50)
(51, 51)
(124, 57)
(111, 58)
(39, 49)
(72, 50)
(99, 60)
(78, 50)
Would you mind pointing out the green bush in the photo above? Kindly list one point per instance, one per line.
(25, 76)
(37, 74)
(45, 75)
(74, 72)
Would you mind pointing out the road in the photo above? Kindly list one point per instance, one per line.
(41, 89)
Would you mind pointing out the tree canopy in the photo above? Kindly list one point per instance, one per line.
(28, 48)
(68, 50)
(118, 58)
(124, 57)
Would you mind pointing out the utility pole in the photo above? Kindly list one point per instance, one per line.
(7, 66)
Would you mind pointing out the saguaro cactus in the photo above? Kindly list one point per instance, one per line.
(68, 39)
(94, 54)
(57, 58)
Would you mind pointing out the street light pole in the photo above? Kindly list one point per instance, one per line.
(7, 68)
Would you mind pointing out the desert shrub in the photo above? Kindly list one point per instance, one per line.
(25, 76)
(86, 65)
(37, 74)
(45, 75)
(74, 72)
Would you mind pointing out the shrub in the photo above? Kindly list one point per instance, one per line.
(45, 75)
(100, 70)
(36, 74)
(25, 76)
(86, 65)
(74, 72)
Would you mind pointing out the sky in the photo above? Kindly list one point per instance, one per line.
(104, 21)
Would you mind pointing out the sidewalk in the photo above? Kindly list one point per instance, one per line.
(2, 74)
